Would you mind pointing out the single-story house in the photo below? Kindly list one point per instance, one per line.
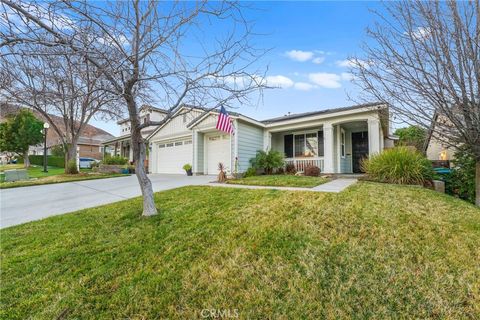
(335, 140)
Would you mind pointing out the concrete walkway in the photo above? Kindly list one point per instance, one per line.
(20, 205)
(335, 186)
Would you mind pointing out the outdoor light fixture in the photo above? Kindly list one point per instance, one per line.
(45, 130)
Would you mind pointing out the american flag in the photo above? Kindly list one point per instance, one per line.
(224, 122)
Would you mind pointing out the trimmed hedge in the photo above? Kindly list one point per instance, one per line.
(51, 160)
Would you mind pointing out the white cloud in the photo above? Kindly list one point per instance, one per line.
(344, 63)
(347, 76)
(318, 60)
(421, 33)
(350, 63)
(304, 86)
(279, 81)
(299, 55)
(326, 80)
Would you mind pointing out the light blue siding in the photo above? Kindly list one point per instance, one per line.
(250, 139)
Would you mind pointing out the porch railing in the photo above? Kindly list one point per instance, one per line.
(301, 163)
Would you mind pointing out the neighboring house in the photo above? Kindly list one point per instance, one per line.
(435, 149)
(89, 143)
(121, 145)
(336, 140)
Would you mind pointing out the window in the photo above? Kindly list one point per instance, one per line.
(169, 145)
(184, 118)
(305, 145)
(311, 145)
(161, 146)
(342, 143)
(187, 142)
(178, 143)
(299, 145)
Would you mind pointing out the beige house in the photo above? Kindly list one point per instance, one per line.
(434, 148)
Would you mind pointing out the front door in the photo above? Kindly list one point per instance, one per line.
(359, 150)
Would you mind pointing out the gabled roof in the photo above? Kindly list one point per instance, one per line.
(145, 106)
(373, 105)
(206, 112)
(233, 114)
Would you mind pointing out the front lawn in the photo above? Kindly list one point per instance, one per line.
(280, 181)
(54, 175)
(373, 251)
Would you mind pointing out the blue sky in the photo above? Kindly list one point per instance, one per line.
(310, 42)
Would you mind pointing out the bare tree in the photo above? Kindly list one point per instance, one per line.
(141, 49)
(55, 82)
(423, 57)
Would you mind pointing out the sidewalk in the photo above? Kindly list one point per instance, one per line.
(334, 186)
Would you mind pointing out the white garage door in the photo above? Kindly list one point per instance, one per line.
(218, 150)
(173, 155)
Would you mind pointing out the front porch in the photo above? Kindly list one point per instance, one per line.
(334, 147)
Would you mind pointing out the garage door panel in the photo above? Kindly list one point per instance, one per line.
(218, 150)
(173, 155)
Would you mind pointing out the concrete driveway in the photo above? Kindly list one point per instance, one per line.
(20, 205)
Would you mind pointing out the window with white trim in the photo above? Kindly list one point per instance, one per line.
(169, 145)
(342, 143)
(306, 144)
(161, 145)
(187, 142)
(178, 143)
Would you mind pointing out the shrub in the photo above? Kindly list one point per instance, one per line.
(52, 161)
(399, 165)
(115, 160)
(250, 172)
(461, 181)
(72, 167)
(290, 169)
(187, 167)
(312, 171)
(268, 161)
(280, 170)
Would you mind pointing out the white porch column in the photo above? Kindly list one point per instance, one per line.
(373, 136)
(195, 151)
(329, 160)
(130, 153)
(267, 140)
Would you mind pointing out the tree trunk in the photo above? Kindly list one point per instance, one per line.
(26, 161)
(477, 182)
(71, 154)
(139, 156)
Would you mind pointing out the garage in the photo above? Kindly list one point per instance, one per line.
(173, 155)
(217, 150)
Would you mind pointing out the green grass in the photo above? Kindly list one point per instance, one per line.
(280, 181)
(11, 167)
(373, 251)
(54, 175)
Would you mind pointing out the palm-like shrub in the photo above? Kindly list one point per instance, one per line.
(268, 160)
(399, 165)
